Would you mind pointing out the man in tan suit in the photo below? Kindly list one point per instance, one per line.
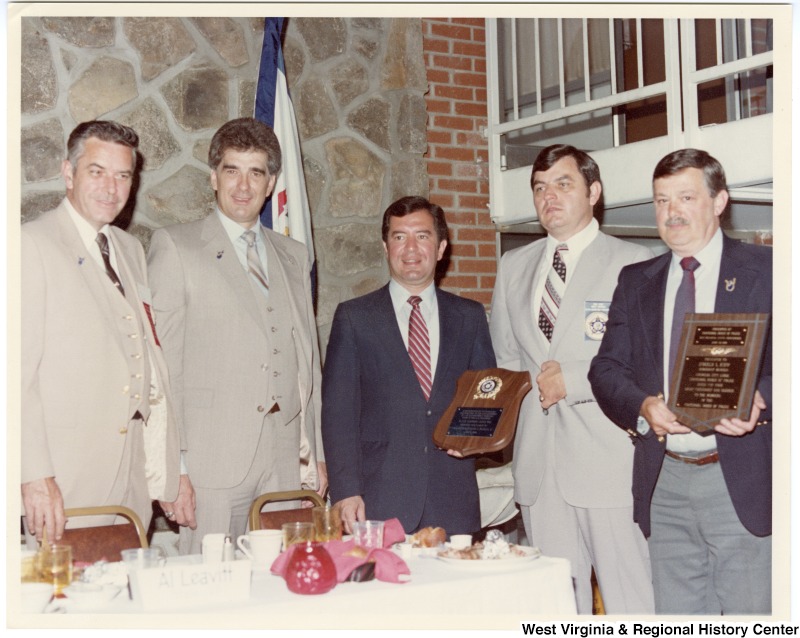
(233, 302)
(97, 426)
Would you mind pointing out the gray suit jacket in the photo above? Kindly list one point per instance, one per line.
(76, 367)
(593, 459)
(218, 349)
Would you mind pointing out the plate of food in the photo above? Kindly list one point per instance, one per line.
(492, 553)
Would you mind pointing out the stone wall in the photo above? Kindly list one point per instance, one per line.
(357, 85)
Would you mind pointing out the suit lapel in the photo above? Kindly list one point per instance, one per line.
(221, 254)
(95, 278)
(450, 326)
(582, 281)
(650, 301)
(736, 279)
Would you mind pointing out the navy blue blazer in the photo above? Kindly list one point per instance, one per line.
(628, 368)
(377, 427)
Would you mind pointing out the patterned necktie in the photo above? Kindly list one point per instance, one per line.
(102, 241)
(419, 347)
(553, 292)
(684, 304)
(253, 262)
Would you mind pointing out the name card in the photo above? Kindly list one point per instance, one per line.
(180, 584)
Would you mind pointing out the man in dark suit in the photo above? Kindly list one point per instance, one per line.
(704, 502)
(393, 360)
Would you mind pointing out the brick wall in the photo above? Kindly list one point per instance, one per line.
(455, 56)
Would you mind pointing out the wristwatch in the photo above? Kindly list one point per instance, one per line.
(642, 426)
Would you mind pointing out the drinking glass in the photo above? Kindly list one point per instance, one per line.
(368, 534)
(54, 565)
(327, 524)
(297, 533)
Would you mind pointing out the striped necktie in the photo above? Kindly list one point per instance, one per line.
(102, 241)
(419, 347)
(553, 292)
(253, 262)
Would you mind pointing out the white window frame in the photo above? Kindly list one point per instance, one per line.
(627, 169)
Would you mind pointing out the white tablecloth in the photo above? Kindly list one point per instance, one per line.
(439, 595)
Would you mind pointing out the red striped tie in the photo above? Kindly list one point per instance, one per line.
(419, 347)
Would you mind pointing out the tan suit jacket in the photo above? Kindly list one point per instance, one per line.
(219, 351)
(79, 383)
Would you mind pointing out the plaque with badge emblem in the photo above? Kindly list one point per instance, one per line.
(716, 368)
(482, 417)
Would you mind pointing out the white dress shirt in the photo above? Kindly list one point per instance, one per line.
(706, 278)
(429, 307)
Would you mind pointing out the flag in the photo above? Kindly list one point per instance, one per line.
(287, 211)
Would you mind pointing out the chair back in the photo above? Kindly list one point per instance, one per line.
(91, 544)
(274, 520)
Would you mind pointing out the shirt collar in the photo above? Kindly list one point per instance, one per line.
(400, 295)
(234, 230)
(86, 231)
(578, 241)
(711, 253)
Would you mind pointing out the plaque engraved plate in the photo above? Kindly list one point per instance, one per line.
(482, 417)
(717, 367)
(474, 422)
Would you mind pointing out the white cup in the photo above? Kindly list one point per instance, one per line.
(261, 545)
(460, 541)
(212, 548)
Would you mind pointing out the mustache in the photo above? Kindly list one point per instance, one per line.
(677, 221)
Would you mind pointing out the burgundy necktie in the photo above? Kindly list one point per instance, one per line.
(419, 347)
(684, 304)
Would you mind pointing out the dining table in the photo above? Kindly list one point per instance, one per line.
(439, 594)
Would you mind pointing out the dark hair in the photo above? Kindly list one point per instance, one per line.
(713, 173)
(103, 130)
(411, 204)
(547, 157)
(246, 134)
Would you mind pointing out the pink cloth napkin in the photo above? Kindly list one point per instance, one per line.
(388, 565)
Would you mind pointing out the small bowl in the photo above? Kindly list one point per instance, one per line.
(35, 596)
(85, 596)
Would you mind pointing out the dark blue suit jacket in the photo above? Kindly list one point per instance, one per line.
(628, 368)
(376, 425)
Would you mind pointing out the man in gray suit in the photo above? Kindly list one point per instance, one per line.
(233, 302)
(97, 425)
(572, 469)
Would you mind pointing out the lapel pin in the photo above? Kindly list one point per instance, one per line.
(219, 254)
(730, 284)
(80, 261)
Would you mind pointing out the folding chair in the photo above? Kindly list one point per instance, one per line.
(274, 520)
(91, 544)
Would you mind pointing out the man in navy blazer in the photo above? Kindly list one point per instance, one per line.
(704, 502)
(377, 423)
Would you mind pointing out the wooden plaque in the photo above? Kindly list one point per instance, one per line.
(482, 416)
(717, 368)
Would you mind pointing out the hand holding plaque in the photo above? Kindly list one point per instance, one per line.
(717, 367)
(482, 416)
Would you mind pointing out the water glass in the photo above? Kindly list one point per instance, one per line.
(368, 534)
